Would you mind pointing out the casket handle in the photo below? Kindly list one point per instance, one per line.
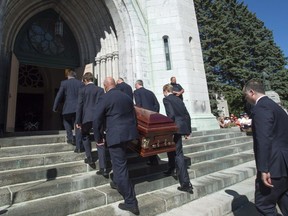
(145, 143)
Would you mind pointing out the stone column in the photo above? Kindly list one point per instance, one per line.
(97, 71)
(103, 70)
(109, 65)
(115, 65)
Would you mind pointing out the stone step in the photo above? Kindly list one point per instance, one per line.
(215, 165)
(190, 146)
(217, 131)
(230, 201)
(43, 188)
(161, 201)
(22, 139)
(25, 156)
(32, 140)
(12, 177)
(203, 146)
(18, 146)
(210, 154)
(35, 149)
(25, 161)
(145, 183)
(42, 163)
(213, 137)
(103, 200)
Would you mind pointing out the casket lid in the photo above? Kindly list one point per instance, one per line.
(150, 117)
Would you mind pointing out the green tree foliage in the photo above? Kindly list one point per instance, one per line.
(236, 47)
(279, 83)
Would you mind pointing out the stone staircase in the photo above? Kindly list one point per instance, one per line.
(41, 175)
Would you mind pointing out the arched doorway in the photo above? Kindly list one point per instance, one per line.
(44, 46)
(106, 48)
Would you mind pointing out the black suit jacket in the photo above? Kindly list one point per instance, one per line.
(69, 91)
(176, 110)
(116, 110)
(146, 99)
(270, 135)
(87, 100)
(124, 87)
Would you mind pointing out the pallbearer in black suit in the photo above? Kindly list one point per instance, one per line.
(269, 128)
(124, 87)
(116, 110)
(69, 92)
(146, 99)
(176, 110)
(86, 108)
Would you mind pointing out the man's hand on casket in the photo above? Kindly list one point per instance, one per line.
(100, 142)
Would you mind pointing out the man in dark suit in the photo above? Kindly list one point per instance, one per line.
(146, 99)
(269, 128)
(69, 91)
(116, 110)
(124, 87)
(176, 110)
(87, 100)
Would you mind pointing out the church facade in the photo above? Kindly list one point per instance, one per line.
(133, 39)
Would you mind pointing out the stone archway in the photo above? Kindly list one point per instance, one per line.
(102, 29)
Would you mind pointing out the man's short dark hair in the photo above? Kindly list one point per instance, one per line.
(255, 85)
(140, 82)
(70, 73)
(88, 76)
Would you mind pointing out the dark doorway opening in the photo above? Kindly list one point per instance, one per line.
(29, 112)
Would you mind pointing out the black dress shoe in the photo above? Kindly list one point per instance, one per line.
(134, 210)
(186, 188)
(152, 163)
(88, 160)
(171, 172)
(113, 186)
(79, 150)
(71, 142)
(103, 172)
(90, 163)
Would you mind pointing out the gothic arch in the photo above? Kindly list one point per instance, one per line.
(38, 43)
(103, 31)
(85, 32)
(91, 23)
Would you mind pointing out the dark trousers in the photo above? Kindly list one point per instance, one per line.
(267, 198)
(86, 127)
(101, 149)
(69, 125)
(176, 160)
(120, 174)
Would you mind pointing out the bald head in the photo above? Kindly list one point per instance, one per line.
(109, 83)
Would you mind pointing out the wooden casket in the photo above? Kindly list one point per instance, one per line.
(155, 133)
